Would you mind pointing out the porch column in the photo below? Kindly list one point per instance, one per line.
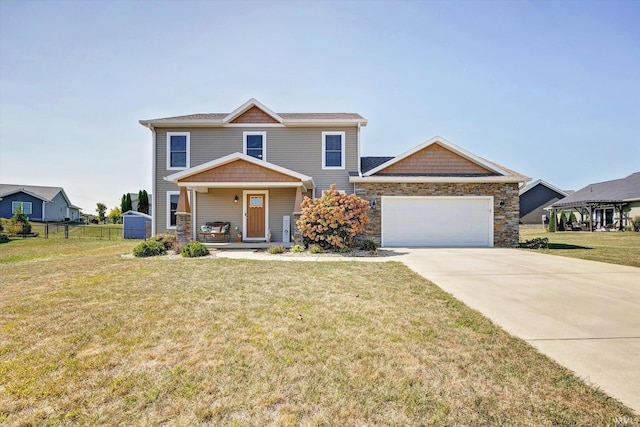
(184, 233)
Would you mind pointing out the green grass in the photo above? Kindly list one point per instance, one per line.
(89, 337)
(612, 247)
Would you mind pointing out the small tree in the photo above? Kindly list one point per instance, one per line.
(143, 202)
(101, 208)
(123, 203)
(20, 222)
(115, 215)
(333, 220)
(552, 221)
(128, 206)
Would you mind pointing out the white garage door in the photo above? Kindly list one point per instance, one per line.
(437, 221)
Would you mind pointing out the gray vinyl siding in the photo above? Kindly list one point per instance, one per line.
(56, 209)
(298, 149)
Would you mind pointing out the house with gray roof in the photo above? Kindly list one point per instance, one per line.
(252, 168)
(535, 197)
(40, 203)
(606, 205)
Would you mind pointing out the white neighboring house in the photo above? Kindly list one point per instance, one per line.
(40, 203)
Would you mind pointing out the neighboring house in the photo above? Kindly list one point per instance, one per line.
(252, 167)
(606, 202)
(534, 198)
(38, 202)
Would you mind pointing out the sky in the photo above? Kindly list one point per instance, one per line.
(550, 89)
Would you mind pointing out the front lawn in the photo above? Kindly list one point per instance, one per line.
(88, 337)
(614, 247)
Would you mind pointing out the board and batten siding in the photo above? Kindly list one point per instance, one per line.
(298, 149)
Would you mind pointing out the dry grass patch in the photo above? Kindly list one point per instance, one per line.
(613, 247)
(98, 339)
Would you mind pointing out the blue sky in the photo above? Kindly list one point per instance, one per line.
(549, 89)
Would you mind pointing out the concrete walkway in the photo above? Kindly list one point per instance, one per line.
(583, 314)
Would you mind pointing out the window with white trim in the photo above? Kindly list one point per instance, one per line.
(178, 150)
(255, 144)
(25, 207)
(333, 150)
(172, 207)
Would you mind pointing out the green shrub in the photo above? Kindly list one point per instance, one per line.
(635, 222)
(149, 248)
(296, 249)
(276, 249)
(194, 250)
(551, 227)
(369, 245)
(19, 223)
(316, 249)
(167, 240)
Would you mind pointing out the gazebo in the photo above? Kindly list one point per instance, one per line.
(606, 205)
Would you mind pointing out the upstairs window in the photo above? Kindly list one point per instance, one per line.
(255, 144)
(25, 207)
(333, 150)
(178, 150)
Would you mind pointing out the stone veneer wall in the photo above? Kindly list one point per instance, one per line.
(506, 217)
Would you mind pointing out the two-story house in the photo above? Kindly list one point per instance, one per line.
(252, 167)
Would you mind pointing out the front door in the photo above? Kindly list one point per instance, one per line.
(255, 216)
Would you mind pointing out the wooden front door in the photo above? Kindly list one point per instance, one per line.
(255, 216)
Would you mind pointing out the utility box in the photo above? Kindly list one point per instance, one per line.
(286, 229)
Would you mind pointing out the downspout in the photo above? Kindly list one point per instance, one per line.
(358, 159)
(154, 193)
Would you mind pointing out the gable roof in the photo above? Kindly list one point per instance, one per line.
(398, 169)
(306, 181)
(615, 191)
(284, 119)
(531, 185)
(41, 192)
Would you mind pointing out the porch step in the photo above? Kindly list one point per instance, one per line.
(245, 245)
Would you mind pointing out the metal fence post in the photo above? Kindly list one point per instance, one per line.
(66, 231)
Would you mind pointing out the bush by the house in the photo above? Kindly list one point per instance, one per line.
(537, 243)
(296, 249)
(149, 248)
(635, 223)
(551, 227)
(369, 245)
(316, 249)
(166, 239)
(194, 250)
(276, 249)
(333, 220)
(19, 223)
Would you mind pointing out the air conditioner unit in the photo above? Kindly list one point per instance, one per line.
(286, 229)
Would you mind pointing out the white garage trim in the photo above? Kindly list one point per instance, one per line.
(439, 221)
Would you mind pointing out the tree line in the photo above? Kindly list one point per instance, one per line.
(126, 204)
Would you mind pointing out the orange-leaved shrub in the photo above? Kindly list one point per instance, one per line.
(333, 220)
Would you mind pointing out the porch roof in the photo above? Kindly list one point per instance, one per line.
(239, 170)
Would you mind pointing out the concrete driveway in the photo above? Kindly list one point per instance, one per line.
(583, 314)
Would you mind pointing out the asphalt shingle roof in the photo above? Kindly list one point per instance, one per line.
(617, 190)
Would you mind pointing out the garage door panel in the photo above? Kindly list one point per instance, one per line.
(437, 221)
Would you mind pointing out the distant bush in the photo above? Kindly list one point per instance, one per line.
(296, 249)
(537, 243)
(276, 249)
(149, 248)
(166, 239)
(635, 222)
(316, 249)
(19, 223)
(194, 250)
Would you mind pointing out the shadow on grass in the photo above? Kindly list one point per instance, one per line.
(566, 246)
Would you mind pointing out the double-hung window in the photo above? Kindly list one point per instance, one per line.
(178, 150)
(172, 207)
(333, 150)
(25, 207)
(255, 144)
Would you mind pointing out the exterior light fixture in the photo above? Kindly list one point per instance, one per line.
(235, 199)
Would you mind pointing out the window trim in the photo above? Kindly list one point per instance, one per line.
(324, 151)
(264, 143)
(22, 204)
(168, 211)
(188, 163)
